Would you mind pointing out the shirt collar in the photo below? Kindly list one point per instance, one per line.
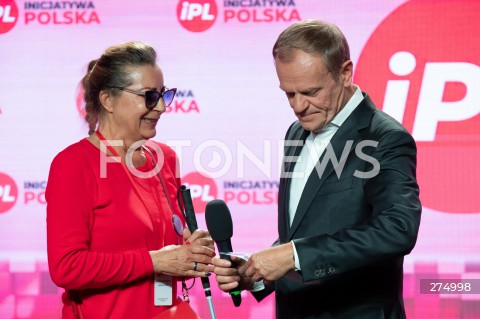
(351, 105)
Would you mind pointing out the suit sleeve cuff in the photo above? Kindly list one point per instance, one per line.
(257, 286)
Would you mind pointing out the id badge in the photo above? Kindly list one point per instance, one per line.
(162, 290)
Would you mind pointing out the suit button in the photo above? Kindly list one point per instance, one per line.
(331, 269)
(320, 272)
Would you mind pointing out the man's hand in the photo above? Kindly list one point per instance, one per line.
(269, 264)
(229, 278)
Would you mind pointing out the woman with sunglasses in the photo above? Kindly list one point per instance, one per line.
(115, 234)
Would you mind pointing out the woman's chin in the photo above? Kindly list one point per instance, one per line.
(148, 133)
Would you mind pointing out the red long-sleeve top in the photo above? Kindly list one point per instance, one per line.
(99, 232)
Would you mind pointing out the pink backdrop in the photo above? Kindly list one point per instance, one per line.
(419, 60)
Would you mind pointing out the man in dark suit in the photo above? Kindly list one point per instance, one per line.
(348, 208)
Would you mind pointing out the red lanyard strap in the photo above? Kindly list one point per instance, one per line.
(160, 177)
(177, 224)
(125, 168)
(176, 221)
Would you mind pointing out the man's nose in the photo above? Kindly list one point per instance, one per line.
(299, 103)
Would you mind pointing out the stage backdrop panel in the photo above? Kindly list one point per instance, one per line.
(418, 60)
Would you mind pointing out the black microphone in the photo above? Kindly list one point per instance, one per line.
(219, 224)
(192, 225)
(190, 218)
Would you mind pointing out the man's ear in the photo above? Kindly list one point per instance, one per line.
(347, 73)
(106, 100)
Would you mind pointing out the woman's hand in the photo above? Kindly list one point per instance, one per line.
(192, 259)
(198, 234)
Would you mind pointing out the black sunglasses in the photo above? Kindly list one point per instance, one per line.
(152, 96)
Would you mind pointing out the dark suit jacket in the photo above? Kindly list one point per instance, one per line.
(351, 233)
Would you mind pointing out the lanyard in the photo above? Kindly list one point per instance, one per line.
(175, 218)
(176, 221)
(160, 177)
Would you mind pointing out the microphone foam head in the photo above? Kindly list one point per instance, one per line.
(219, 220)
